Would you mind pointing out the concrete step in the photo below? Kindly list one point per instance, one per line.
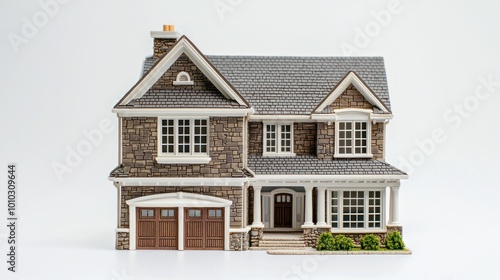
(277, 248)
(282, 239)
(285, 243)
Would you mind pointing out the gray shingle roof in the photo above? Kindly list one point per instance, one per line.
(182, 98)
(312, 165)
(294, 85)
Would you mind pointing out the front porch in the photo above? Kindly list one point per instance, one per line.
(285, 211)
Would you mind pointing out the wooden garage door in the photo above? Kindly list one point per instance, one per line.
(157, 228)
(204, 229)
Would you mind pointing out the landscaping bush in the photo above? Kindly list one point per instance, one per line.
(370, 242)
(394, 241)
(325, 242)
(343, 243)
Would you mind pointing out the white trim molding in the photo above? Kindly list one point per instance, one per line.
(183, 46)
(182, 182)
(182, 112)
(180, 82)
(351, 78)
(179, 200)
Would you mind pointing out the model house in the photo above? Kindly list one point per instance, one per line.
(215, 152)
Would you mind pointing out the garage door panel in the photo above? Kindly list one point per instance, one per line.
(157, 228)
(146, 243)
(147, 229)
(214, 243)
(204, 228)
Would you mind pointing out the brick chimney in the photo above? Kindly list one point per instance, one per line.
(164, 40)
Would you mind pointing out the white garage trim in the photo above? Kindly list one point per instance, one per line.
(178, 200)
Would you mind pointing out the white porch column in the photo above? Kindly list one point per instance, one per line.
(394, 206)
(308, 207)
(321, 206)
(257, 208)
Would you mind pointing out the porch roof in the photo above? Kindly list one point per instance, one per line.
(311, 165)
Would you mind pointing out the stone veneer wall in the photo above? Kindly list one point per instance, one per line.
(161, 46)
(239, 241)
(256, 236)
(378, 140)
(122, 240)
(351, 98)
(325, 140)
(234, 194)
(311, 235)
(255, 132)
(185, 64)
(304, 135)
(139, 144)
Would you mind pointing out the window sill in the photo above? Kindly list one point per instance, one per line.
(358, 230)
(353, 156)
(183, 83)
(183, 159)
(278, 154)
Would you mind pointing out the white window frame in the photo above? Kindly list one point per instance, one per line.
(353, 116)
(277, 151)
(179, 82)
(365, 207)
(182, 158)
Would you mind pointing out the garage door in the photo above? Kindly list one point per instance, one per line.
(204, 229)
(157, 228)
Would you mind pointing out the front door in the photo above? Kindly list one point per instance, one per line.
(283, 210)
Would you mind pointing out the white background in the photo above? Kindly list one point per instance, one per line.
(65, 76)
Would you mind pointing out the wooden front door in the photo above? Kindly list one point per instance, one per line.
(204, 229)
(157, 228)
(283, 210)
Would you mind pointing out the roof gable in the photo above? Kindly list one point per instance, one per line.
(353, 79)
(183, 47)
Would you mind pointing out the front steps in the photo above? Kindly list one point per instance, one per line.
(281, 241)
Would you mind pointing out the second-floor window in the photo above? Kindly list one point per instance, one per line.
(184, 136)
(352, 138)
(278, 139)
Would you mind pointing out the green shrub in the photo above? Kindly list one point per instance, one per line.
(370, 242)
(325, 242)
(394, 241)
(343, 243)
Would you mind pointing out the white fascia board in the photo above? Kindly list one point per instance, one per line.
(182, 112)
(277, 118)
(334, 117)
(182, 46)
(352, 78)
(187, 182)
(381, 117)
(319, 178)
(239, 230)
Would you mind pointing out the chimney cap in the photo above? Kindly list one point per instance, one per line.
(167, 33)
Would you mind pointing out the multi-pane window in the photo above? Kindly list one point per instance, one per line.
(352, 138)
(184, 136)
(286, 138)
(271, 138)
(374, 209)
(356, 209)
(200, 136)
(278, 138)
(353, 209)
